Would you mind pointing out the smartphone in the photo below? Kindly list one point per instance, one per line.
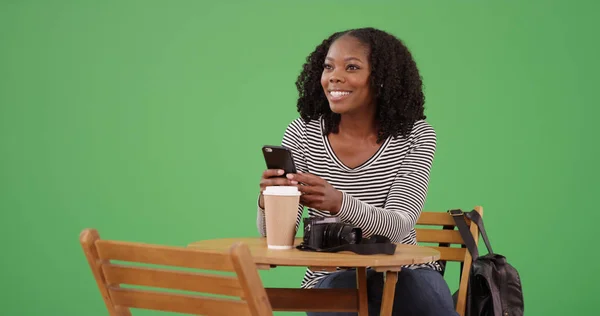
(279, 157)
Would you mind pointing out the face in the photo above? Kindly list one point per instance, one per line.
(345, 77)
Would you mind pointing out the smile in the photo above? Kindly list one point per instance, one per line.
(338, 95)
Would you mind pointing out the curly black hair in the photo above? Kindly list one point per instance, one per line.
(394, 78)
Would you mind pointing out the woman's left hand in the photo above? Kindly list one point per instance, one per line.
(317, 193)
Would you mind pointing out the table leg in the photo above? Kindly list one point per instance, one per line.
(361, 282)
(389, 289)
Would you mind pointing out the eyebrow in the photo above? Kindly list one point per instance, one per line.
(346, 59)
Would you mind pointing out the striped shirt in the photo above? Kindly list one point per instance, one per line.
(382, 196)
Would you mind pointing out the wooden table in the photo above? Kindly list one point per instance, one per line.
(343, 300)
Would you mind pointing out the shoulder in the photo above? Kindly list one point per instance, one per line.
(298, 130)
(423, 134)
(422, 129)
(299, 126)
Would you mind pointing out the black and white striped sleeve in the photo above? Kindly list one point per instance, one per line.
(294, 139)
(406, 197)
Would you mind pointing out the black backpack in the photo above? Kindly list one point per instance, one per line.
(494, 287)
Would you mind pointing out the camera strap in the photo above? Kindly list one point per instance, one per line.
(373, 245)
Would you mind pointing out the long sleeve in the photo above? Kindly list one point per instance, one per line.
(406, 197)
(294, 139)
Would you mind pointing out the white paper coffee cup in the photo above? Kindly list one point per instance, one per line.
(281, 212)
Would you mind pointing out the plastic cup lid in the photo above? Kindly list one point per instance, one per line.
(281, 190)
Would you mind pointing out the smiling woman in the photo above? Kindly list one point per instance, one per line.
(363, 152)
(345, 78)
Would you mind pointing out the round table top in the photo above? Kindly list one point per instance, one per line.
(404, 255)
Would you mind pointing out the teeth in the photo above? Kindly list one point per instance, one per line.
(339, 93)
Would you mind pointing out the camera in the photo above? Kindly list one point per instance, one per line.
(329, 232)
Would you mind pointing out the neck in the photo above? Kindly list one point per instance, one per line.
(358, 125)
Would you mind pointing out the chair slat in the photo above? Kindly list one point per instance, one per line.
(163, 255)
(439, 236)
(451, 254)
(435, 218)
(177, 280)
(180, 303)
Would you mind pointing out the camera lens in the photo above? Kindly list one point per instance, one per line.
(340, 234)
(349, 235)
(352, 237)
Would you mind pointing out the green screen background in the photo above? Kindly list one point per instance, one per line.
(144, 119)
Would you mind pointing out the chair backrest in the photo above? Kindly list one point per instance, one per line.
(125, 284)
(445, 238)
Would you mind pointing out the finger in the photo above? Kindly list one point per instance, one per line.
(270, 173)
(307, 178)
(311, 200)
(306, 201)
(307, 189)
(274, 182)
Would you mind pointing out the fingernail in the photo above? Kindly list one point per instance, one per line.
(279, 171)
(294, 182)
(289, 176)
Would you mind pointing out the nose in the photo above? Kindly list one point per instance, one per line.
(335, 77)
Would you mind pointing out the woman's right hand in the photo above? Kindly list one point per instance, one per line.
(272, 177)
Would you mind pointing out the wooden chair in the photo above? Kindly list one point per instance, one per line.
(445, 238)
(244, 291)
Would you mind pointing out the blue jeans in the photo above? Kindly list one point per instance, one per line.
(421, 292)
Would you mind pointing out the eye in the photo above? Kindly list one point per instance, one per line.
(327, 66)
(352, 67)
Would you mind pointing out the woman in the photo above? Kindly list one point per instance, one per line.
(364, 151)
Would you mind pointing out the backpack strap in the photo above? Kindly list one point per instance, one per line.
(461, 224)
(474, 216)
(459, 219)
